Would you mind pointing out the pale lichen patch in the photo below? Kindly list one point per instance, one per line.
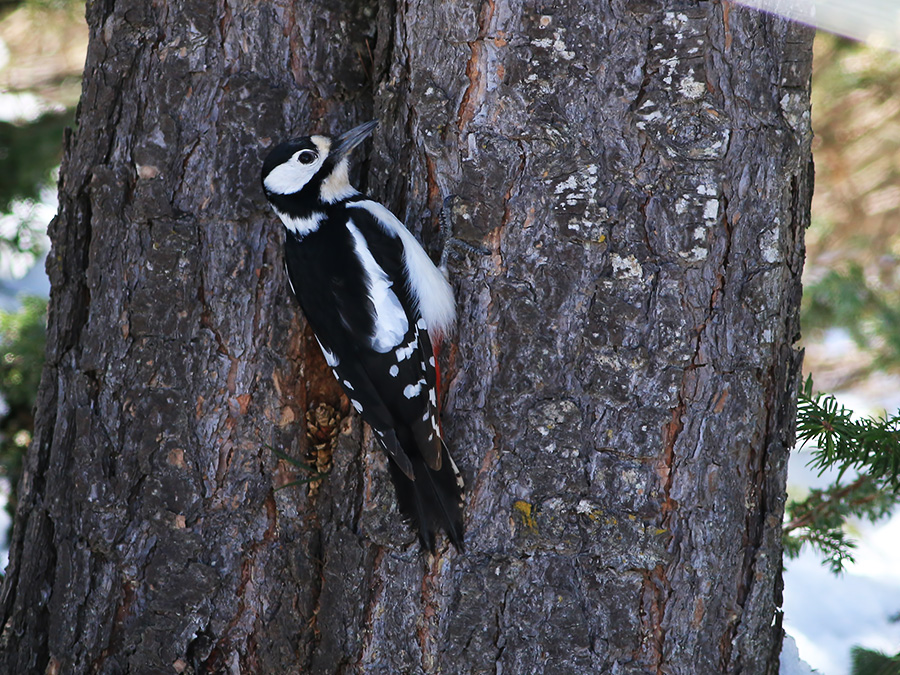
(626, 268)
(769, 246)
(691, 88)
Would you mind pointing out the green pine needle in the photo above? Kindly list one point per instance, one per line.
(293, 461)
(870, 447)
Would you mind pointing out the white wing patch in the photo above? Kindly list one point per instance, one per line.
(391, 323)
(431, 292)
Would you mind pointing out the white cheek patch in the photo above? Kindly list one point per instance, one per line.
(290, 177)
(391, 323)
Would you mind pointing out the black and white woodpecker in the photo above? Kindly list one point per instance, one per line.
(376, 304)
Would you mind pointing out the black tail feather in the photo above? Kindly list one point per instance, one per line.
(433, 501)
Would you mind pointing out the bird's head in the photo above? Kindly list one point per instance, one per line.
(315, 161)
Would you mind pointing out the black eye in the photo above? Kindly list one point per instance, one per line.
(307, 157)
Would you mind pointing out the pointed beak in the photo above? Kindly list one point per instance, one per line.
(350, 139)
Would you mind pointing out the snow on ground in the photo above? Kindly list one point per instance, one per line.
(828, 614)
(791, 663)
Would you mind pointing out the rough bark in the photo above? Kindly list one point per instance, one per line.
(619, 391)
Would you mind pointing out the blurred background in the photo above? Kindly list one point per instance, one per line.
(42, 50)
(851, 334)
(842, 585)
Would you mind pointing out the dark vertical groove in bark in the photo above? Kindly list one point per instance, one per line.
(619, 391)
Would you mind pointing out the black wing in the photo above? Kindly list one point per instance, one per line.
(390, 389)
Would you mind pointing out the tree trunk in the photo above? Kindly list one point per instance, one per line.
(619, 393)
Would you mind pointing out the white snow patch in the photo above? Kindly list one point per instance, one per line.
(24, 107)
(790, 662)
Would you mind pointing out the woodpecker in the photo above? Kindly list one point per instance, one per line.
(376, 303)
